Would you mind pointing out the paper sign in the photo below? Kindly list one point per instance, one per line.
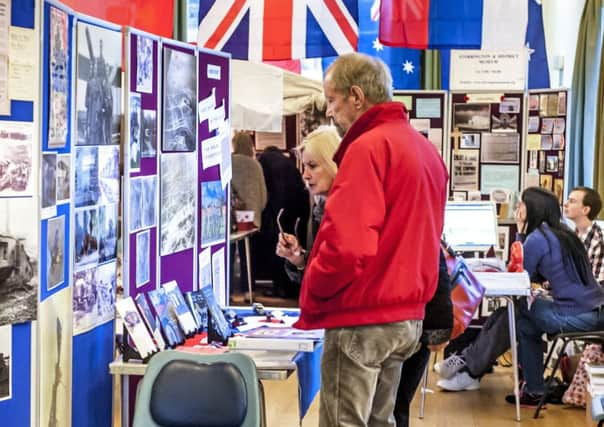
(215, 118)
(205, 106)
(213, 72)
(211, 151)
(4, 99)
(218, 276)
(226, 169)
(405, 99)
(533, 141)
(484, 98)
(4, 25)
(21, 64)
(427, 107)
(488, 70)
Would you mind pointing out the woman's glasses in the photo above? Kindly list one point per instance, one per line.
(300, 251)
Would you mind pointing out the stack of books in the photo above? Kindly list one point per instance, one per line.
(595, 374)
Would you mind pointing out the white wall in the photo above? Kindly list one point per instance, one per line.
(561, 20)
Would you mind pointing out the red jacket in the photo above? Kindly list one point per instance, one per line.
(375, 257)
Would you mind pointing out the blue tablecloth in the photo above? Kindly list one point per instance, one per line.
(308, 365)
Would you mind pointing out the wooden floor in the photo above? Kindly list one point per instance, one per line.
(482, 408)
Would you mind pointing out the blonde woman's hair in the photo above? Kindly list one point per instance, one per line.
(322, 144)
(367, 72)
(243, 143)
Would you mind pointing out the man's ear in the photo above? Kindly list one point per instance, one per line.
(358, 96)
(586, 210)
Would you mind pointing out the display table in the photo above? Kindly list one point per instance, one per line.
(245, 235)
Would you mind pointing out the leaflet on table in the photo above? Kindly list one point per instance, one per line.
(267, 331)
(291, 344)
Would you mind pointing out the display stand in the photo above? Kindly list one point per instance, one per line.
(129, 352)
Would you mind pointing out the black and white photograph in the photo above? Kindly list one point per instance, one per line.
(6, 350)
(542, 161)
(137, 330)
(179, 106)
(135, 132)
(15, 165)
(93, 296)
(472, 116)
(49, 180)
(465, 170)
(559, 125)
(469, 140)
(144, 64)
(505, 123)
(108, 232)
(533, 124)
(500, 148)
(135, 205)
(149, 134)
(533, 159)
(58, 89)
(547, 125)
(55, 252)
(19, 244)
(510, 105)
(109, 174)
(63, 177)
(558, 142)
(177, 202)
(143, 269)
(546, 142)
(86, 176)
(149, 201)
(98, 86)
(551, 163)
(86, 236)
(55, 338)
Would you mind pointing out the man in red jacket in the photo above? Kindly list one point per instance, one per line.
(374, 262)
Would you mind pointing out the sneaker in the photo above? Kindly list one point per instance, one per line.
(459, 382)
(527, 400)
(450, 366)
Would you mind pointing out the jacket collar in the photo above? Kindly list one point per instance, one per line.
(375, 116)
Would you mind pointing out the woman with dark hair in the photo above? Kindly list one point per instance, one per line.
(552, 253)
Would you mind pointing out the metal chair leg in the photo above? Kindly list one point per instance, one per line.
(551, 379)
(423, 392)
(551, 351)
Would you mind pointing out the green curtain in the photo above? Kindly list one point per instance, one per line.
(584, 149)
(431, 75)
(180, 20)
(599, 139)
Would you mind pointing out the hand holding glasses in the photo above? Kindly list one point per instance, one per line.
(288, 245)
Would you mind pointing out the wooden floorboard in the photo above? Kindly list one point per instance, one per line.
(482, 408)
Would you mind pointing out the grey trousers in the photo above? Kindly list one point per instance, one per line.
(360, 372)
(492, 341)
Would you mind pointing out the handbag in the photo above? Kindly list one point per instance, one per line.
(466, 291)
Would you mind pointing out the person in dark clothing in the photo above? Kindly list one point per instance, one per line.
(438, 325)
(285, 191)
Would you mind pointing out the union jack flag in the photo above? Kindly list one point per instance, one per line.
(263, 30)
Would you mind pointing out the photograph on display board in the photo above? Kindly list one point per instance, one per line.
(558, 142)
(546, 142)
(86, 236)
(510, 105)
(19, 244)
(472, 116)
(86, 191)
(465, 170)
(533, 124)
(177, 202)
(505, 123)
(55, 252)
(533, 102)
(435, 136)
(135, 132)
(135, 206)
(499, 177)
(98, 86)
(149, 134)
(63, 177)
(93, 296)
(551, 163)
(500, 148)
(49, 180)
(144, 64)
(108, 221)
(533, 159)
(180, 85)
(6, 350)
(57, 99)
(150, 320)
(559, 125)
(167, 319)
(213, 213)
(561, 103)
(109, 174)
(16, 159)
(56, 346)
(541, 161)
(135, 326)
(148, 204)
(143, 258)
(559, 189)
(545, 181)
(503, 240)
(547, 125)
(469, 140)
